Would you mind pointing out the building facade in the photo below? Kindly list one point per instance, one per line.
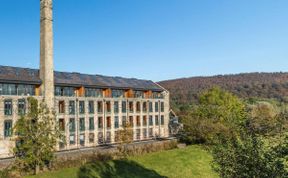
(90, 109)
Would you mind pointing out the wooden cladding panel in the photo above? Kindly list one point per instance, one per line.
(148, 94)
(38, 90)
(107, 93)
(129, 93)
(80, 92)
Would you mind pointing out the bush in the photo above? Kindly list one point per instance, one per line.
(246, 156)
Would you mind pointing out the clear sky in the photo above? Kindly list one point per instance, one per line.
(151, 39)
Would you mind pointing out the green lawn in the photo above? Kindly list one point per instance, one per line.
(190, 162)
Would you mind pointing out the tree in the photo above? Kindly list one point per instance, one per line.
(263, 118)
(247, 156)
(267, 119)
(219, 105)
(218, 113)
(37, 135)
(125, 136)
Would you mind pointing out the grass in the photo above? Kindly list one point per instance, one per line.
(190, 162)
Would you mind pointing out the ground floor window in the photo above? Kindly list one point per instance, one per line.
(82, 139)
(138, 134)
(108, 137)
(151, 132)
(144, 133)
(72, 139)
(91, 137)
(100, 138)
(61, 144)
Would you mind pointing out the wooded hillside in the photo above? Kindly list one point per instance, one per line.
(248, 85)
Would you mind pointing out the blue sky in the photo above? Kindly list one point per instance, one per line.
(151, 39)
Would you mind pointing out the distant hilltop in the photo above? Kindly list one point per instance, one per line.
(246, 85)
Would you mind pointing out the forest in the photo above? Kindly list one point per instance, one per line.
(246, 85)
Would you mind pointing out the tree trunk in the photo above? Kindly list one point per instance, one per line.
(37, 169)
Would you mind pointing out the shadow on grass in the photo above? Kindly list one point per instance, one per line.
(116, 169)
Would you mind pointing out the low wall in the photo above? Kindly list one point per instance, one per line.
(75, 158)
(79, 157)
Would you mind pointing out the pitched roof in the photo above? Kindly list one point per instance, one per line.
(31, 76)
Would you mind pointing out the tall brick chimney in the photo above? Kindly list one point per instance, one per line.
(46, 52)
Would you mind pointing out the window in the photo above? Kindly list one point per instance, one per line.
(150, 120)
(116, 107)
(91, 92)
(124, 121)
(91, 137)
(82, 124)
(9, 89)
(21, 106)
(138, 107)
(124, 106)
(108, 137)
(150, 107)
(91, 123)
(81, 107)
(72, 125)
(157, 95)
(144, 120)
(131, 107)
(162, 106)
(100, 107)
(108, 122)
(138, 134)
(116, 122)
(156, 120)
(138, 122)
(100, 122)
(64, 91)
(8, 107)
(117, 93)
(20, 90)
(61, 107)
(62, 125)
(144, 133)
(151, 132)
(139, 94)
(156, 107)
(72, 139)
(162, 120)
(91, 107)
(108, 106)
(82, 139)
(144, 108)
(100, 138)
(8, 128)
(131, 121)
(71, 107)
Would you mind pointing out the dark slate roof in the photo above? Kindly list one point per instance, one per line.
(31, 76)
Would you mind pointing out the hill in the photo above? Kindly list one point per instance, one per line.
(246, 85)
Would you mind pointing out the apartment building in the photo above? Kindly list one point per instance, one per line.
(90, 109)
